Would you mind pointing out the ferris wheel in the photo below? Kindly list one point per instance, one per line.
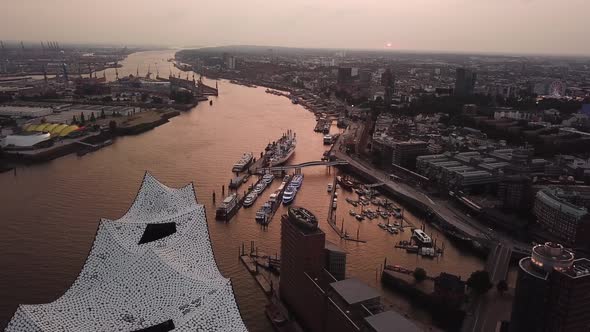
(557, 88)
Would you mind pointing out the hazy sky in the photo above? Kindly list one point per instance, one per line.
(521, 26)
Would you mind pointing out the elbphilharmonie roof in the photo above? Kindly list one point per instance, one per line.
(151, 270)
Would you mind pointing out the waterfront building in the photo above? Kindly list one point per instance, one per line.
(313, 295)
(151, 270)
(552, 291)
(335, 260)
(464, 82)
(563, 216)
(302, 247)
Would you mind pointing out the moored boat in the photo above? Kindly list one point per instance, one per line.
(280, 151)
(228, 208)
(243, 163)
(289, 194)
(250, 199)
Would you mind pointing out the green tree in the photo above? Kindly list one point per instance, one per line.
(92, 117)
(102, 115)
(82, 118)
(502, 286)
(419, 274)
(479, 282)
(113, 126)
(74, 120)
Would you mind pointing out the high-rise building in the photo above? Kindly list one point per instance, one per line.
(344, 75)
(552, 291)
(388, 84)
(465, 82)
(302, 248)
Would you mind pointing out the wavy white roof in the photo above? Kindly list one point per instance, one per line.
(126, 286)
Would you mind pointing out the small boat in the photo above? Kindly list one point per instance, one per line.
(422, 237)
(352, 213)
(334, 203)
(250, 199)
(328, 139)
(384, 214)
(210, 102)
(263, 214)
(382, 226)
(412, 249)
(427, 252)
(397, 212)
(360, 217)
(289, 194)
(330, 187)
(259, 188)
(268, 178)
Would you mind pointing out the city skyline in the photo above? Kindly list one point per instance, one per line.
(509, 27)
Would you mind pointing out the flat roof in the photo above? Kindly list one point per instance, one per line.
(333, 247)
(354, 291)
(391, 321)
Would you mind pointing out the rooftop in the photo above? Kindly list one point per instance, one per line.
(354, 291)
(390, 321)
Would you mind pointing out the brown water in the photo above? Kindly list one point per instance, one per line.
(50, 212)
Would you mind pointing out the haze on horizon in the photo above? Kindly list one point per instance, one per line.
(499, 26)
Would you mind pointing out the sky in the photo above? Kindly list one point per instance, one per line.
(499, 26)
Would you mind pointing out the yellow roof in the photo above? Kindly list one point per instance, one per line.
(66, 131)
(42, 127)
(58, 129)
(51, 127)
(30, 127)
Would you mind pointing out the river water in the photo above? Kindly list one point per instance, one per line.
(50, 212)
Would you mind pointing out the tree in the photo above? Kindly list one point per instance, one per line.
(74, 120)
(419, 274)
(102, 115)
(82, 118)
(92, 117)
(113, 126)
(502, 286)
(479, 282)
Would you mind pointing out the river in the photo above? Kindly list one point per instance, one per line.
(50, 211)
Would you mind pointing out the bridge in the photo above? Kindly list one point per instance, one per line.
(300, 166)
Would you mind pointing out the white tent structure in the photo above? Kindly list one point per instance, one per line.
(151, 270)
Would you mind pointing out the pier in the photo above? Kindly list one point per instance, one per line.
(252, 261)
(332, 218)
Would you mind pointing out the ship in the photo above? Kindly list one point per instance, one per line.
(289, 194)
(243, 163)
(250, 199)
(228, 208)
(280, 151)
(263, 214)
(297, 181)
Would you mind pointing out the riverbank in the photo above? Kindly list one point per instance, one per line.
(125, 125)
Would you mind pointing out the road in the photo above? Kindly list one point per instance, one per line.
(440, 207)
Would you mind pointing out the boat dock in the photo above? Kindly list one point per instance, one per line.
(252, 261)
(275, 206)
(332, 218)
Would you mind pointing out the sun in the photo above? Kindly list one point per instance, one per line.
(388, 45)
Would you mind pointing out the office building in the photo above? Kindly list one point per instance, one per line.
(563, 216)
(302, 247)
(404, 153)
(344, 75)
(513, 192)
(464, 82)
(552, 291)
(388, 84)
(335, 260)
